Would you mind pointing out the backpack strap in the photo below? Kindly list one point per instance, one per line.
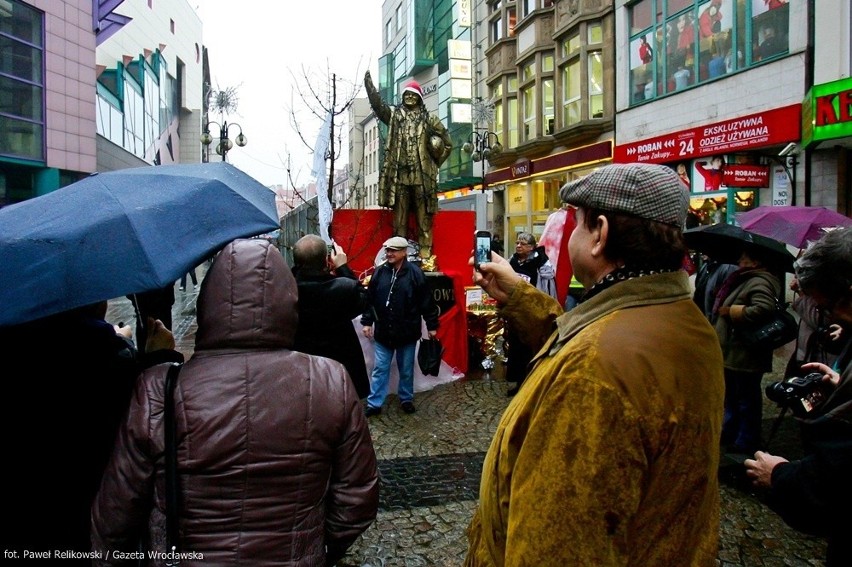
(172, 484)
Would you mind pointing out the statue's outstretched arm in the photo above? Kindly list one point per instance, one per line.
(380, 107)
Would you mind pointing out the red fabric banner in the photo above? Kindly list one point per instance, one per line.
(361, 234)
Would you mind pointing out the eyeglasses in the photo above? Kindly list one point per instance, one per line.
(387, 250)
(522, 243)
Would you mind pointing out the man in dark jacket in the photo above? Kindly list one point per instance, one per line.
(814, 494)
(327, 306)
(60, 418)
(398, 297)
(275, 461)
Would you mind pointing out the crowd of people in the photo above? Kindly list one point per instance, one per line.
(645, 378)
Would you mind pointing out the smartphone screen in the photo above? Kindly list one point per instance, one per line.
(482, 247)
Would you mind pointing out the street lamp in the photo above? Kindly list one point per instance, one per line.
(480, 146)
(225, 143)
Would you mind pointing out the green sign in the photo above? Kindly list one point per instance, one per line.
(827, 112)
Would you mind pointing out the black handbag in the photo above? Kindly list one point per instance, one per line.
(781, 329)
(429, 356)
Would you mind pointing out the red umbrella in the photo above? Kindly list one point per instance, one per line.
(793, 225)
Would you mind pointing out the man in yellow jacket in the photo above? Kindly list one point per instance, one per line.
(609, 454)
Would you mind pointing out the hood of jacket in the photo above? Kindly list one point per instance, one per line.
(247, 299)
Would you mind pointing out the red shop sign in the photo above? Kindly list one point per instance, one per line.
(746, 175)
(768, 128)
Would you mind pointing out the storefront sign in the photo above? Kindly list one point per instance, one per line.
(594, 153)
(460, 88)
(442, 291)
(464, 13)
(772, 127)
(827, 112)
(458, 49)
(781, 187)
(460, 69)
(746, 175)
(521, 169)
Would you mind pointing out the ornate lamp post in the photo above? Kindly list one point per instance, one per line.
(225, 143)
(480, 147)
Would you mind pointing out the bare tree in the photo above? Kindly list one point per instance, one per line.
(319, 95)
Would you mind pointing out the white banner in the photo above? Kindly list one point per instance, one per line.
(319, 172)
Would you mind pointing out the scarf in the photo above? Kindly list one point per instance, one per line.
(730, 284)
(621, 274)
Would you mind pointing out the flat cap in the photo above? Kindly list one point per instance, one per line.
(648, 191)
(396, 242)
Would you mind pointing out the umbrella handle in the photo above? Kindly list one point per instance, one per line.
(140, 321)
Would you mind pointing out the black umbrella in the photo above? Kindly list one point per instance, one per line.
(725, 242)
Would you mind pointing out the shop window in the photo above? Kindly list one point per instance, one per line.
(516, 198)
(708, 209)
(571, 93)
(21, 86)
(527, 71)
(512, 116)
(596, 98)
(571, 45)
(694, 41)
(582, 74)
(595, 33)
(547, 107)
(499, 120)
(545, 194)
(529, 112)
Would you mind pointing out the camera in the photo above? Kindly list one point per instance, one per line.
(801, 395)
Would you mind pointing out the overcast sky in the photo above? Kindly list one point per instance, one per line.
(261, 47)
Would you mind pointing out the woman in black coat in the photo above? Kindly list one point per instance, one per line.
(526, 261)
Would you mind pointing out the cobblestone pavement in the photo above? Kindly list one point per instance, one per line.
(430, 463)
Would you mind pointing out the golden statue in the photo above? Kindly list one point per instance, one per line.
(417, 145)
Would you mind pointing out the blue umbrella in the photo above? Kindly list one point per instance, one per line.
(122, 232)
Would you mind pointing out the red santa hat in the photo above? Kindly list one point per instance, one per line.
(413, 87)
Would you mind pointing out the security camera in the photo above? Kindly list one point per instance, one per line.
(790, 149)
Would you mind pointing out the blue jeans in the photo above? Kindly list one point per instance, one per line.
(381, 373)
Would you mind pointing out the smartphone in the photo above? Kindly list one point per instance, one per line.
(481, 247)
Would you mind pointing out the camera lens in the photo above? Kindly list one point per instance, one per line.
(777, 392)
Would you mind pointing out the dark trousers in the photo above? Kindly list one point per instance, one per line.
(518, 357)
(743, 410)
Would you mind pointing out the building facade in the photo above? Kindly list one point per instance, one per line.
(150, 86)
(714, 89)
(748, 100)
(92, 86)
(47, 96)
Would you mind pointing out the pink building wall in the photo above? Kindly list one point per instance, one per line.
(69, 84)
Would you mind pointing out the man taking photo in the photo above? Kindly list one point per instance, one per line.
(814, 494)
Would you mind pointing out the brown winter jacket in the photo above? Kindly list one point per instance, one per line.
(751, 302)
(275, 458)
(609, 453)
